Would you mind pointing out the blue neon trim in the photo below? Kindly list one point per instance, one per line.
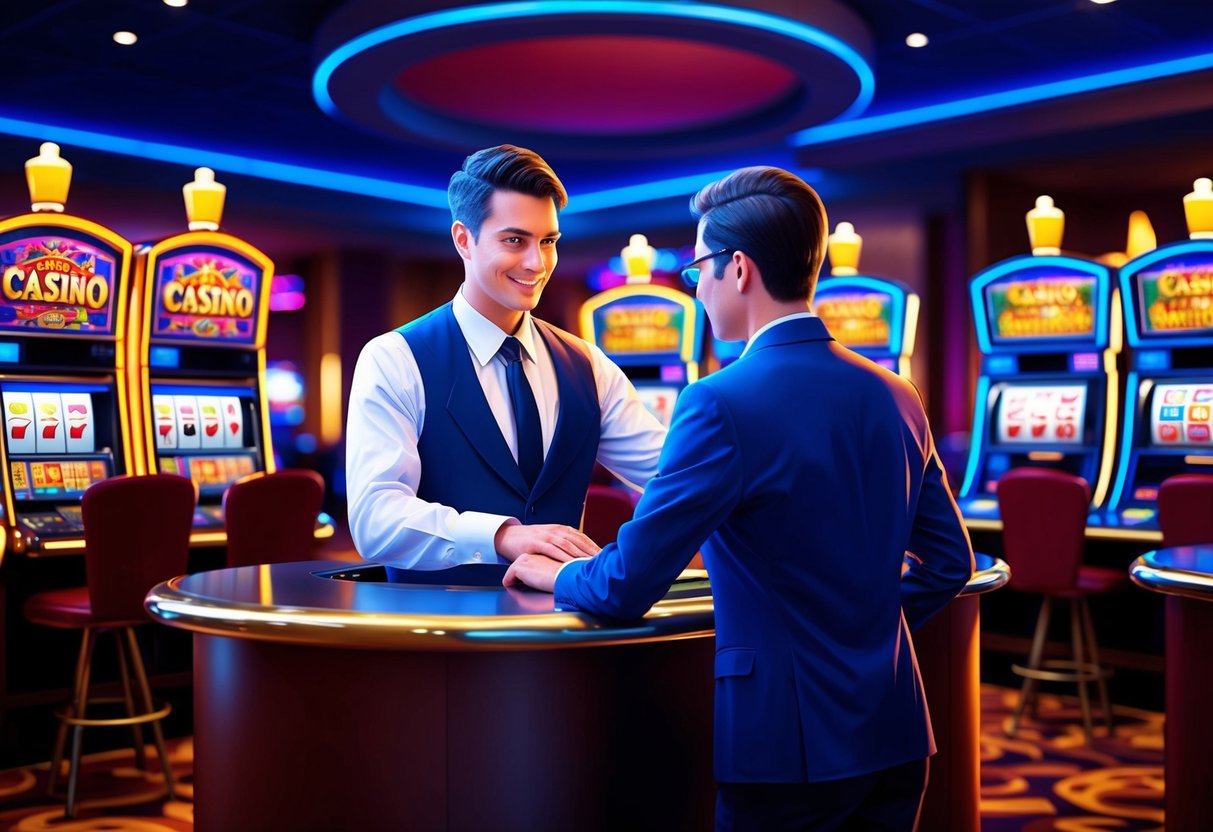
(1132, 394)
(1129, 298)
(52, 387)
(838, 129)
(230, 162)
(179, 389)
(977, 441)
(1101, 302)
(449, 18)
(897, 293)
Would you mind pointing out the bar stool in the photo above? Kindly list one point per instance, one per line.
(1044, 517)
(271, 518)
(136, 535)
(1185, 509)
(607, 507)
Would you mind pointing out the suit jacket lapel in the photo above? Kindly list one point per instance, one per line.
(575, 390)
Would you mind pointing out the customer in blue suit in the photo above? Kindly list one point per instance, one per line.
(474, 429)
(808, 476)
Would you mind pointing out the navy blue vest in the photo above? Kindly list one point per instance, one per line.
(466, 463)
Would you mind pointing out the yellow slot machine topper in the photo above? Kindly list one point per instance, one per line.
(202, 357)
(654, 333)
(874, 316)
(65, 355)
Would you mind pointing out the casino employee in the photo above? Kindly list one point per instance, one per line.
(473, 430)
(807, 473)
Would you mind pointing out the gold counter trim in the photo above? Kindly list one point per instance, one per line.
(670, 619)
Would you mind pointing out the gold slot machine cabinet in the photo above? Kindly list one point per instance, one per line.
(874, 316)
(654, 333)
(65, 355)
(202, 358)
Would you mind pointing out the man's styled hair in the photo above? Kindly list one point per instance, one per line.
(772, 216)
(501, 168)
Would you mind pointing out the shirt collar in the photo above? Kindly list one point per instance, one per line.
(772, 324)
(484, 336)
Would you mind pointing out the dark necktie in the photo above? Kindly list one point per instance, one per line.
(526, 412)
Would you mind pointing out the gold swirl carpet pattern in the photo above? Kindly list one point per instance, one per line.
(1044, 779)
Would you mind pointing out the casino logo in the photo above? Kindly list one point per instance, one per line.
(53, 283)
(207, 289)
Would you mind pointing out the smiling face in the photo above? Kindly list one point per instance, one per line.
(506, 268)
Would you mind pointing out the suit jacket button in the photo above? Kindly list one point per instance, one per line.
(532, 509)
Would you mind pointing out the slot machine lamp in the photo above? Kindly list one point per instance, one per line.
(50, 177)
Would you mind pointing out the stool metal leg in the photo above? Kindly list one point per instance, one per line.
(1093, 648)
(136, 729)
(80, 712)
(83, 658)
(1080, 667)
(1038, 643)
(146, 690)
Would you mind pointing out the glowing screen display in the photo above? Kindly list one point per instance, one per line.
(1042, 415)
(1181, 415)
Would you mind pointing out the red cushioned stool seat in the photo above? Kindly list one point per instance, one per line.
(1044, 519)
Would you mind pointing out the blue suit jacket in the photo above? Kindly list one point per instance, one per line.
(805, 473)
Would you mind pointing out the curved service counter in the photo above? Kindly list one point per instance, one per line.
(327, 697)
(1185, 575)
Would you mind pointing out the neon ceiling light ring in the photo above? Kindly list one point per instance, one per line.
(1004, 99)
(355, 78)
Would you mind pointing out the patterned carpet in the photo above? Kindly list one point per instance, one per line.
(1044, 779)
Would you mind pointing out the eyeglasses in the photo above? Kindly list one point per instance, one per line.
(690, 272)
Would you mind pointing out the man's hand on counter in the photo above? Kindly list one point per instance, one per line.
(560, 543)
(535, 571)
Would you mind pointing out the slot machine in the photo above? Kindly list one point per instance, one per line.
(1049, 331)
(874, 316)
(1168, 422)
(65, 355)
(202, 358)
(654, 333)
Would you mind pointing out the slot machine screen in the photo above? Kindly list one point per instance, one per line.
(857, 319)
(1052, 414)
(1181, 415)
(1041, 306)
(1176, 298)
(59, 438)
(207, 433)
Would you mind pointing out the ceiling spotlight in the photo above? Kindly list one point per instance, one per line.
(125, 38)
(176, 4)
(916, 40)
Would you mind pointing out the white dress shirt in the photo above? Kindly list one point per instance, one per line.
(389, 523)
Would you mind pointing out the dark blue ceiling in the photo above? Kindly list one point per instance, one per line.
(234, 77)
